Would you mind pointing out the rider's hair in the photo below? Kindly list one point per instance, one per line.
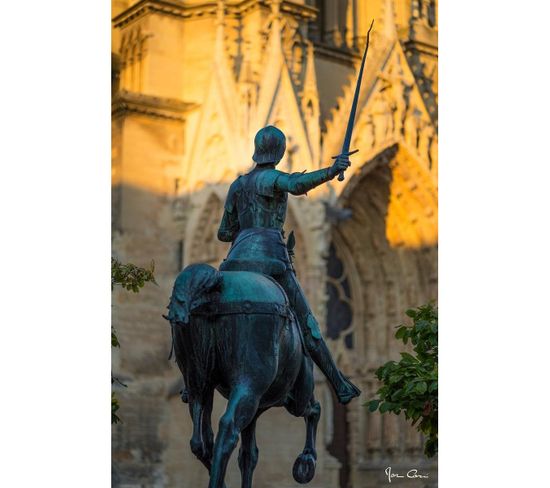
(269, 145)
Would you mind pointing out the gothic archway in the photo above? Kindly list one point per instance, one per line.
(389, 244)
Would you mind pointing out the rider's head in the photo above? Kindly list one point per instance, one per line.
(269, 145)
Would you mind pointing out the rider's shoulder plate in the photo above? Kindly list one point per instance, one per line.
(265, 182)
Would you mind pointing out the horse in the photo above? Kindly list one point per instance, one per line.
(234, 331)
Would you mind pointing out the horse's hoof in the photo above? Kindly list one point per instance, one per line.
(304, 468)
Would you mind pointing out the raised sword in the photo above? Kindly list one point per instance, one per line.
(351, 121)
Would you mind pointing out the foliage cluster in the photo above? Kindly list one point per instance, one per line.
(410, 385)
(132, 278)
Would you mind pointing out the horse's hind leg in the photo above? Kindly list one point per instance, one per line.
(241, 410)
(248, 453)
(302, 403)
(200, 408)
(202, 441)
(304, 466)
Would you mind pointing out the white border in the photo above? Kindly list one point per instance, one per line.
(494, 242)
(55, 245)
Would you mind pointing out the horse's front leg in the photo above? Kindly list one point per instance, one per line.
(248, 453)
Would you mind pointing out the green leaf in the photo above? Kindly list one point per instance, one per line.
(401, 332)
(114, 339)
(115, 419)
(396, 395)
(421, 387)
(421, 325)
(373, 405)
(406, 356)
(395, 378)
(385, 407)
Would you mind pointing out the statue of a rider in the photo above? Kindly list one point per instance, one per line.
(253, 220)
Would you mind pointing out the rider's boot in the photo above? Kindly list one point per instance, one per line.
(345, 390)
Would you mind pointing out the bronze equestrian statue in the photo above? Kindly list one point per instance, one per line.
(247, 329)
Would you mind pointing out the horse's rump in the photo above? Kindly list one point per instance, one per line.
(234, 331)
(244, 319)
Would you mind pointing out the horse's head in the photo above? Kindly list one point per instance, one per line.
(195, 285)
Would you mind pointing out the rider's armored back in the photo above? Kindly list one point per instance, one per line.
(261, 211)
(258, 203)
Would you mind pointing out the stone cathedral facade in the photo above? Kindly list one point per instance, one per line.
(193, 80)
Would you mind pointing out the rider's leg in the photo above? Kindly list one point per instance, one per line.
(345, 389)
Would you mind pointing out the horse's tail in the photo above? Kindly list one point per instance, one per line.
(196, 284)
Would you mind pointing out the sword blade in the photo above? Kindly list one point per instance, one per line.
(351, 121)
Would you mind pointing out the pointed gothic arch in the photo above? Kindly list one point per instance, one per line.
(392, 272)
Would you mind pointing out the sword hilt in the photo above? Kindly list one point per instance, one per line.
(344, 153)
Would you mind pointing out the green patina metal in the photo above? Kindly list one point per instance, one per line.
(254, 216)
(247, 329)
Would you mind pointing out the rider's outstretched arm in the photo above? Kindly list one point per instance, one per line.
(300, 183)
